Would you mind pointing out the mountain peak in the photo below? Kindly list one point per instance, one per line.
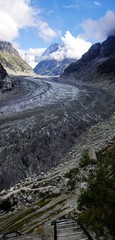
(111, 37)
(108, 46)
(52, 48)
(49, 64)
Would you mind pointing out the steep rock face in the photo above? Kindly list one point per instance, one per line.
(11, 59)
(96, 55)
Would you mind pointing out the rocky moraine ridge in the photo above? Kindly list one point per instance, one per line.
(45, 125)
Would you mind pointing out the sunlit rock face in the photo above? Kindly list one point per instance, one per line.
(7, 47)
(11, 60)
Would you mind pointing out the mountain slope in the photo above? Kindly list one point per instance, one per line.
(52, 67)
(98, 62)
(11, 59)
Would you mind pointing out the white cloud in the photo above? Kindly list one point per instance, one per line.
(97, 3)
(74, 47)
(50, 12)
(14, 15)
(32, 56)
(71, 6)
(19, 14)
(46, 32)
(59, 55)
(100, 29)
(8, 28)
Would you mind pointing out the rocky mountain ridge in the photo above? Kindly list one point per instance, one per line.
(52, 48)
(8, 47)
(88, 68)
(11, 60)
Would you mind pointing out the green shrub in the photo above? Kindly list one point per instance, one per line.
(72, 173)
(97, 202)
(73, 178)
(86, 160)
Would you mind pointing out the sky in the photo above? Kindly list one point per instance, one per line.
(32, 25)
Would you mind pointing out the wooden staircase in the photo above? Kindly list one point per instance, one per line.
(69, 229)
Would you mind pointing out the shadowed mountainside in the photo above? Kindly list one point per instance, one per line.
(5, 81)
(97, 64)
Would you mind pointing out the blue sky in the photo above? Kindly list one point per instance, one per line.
(38, 23)
(62, 16)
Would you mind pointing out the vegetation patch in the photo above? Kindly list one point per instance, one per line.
(97, 202)
(72, 174)
(86, 160)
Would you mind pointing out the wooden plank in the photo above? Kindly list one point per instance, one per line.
(63, 229)
(70, 234)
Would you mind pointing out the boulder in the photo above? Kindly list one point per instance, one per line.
(5, 80)
(3, 74)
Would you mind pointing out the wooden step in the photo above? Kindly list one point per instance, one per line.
(70, 230)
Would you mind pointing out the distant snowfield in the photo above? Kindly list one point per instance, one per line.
(41, 93)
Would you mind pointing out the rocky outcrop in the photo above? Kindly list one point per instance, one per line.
(11, 60)
(3, 74)
(5, 81)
